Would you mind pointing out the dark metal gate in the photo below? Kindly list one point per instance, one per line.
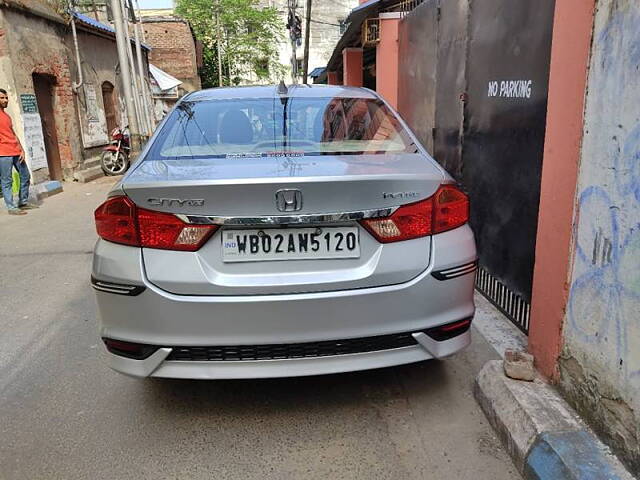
(491, 75)
(505, 117)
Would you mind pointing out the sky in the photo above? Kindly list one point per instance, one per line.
(144, 4)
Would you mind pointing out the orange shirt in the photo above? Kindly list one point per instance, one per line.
(9, 145)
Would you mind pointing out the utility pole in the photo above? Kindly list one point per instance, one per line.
(146, 93)
(134, 75)
(305, 71)
(219, 43)
(293, 27)
(142, 93)
(123, 59)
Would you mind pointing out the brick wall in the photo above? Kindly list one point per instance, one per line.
(173, 50)
(35, 45)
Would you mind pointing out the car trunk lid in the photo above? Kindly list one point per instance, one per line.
(243, 192)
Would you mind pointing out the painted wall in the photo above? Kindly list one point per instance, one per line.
(387, 58)
(98, 69)
(600, 360)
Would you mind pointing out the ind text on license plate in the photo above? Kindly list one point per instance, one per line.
(290, 244)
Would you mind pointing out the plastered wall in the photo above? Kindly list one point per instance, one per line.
(600, 360)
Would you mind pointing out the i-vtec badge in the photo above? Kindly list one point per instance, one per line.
(170, 202)
(399, 194)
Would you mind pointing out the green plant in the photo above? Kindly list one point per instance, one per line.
(246, 33)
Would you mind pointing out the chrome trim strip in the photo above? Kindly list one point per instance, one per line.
(452, 271)
(117, 288)
(287, 219)
(455, 272)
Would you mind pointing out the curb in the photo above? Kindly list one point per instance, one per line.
(86, 176)
(546, 439)
(48, 188)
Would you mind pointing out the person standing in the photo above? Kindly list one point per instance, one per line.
(12, 155)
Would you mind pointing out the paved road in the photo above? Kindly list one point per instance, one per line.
(64, 415)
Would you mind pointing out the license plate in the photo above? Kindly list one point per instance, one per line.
(290, 244)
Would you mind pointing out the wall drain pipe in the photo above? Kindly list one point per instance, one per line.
(75, 85)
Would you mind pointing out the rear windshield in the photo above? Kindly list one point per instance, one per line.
(280, 126)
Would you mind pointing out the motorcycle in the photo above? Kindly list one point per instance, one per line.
(115, 156)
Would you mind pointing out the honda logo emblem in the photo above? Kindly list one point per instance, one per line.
(289, 200)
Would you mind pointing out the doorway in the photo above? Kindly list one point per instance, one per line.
(108, 100)
(43, 86)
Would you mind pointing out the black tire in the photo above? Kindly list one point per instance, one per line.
(114, 163)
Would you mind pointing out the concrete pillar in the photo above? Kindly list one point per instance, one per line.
(387, 58)
(352, 66)
(332, 78)
(571, 43)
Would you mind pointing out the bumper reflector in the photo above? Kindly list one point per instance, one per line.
(136, 351)
(449, 330)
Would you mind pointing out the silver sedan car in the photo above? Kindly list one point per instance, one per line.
(282, 231)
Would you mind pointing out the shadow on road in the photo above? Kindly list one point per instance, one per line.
(289, 394)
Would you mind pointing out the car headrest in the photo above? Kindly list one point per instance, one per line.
(236, 128)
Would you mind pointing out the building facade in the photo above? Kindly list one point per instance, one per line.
(174, 48)
(62, 112)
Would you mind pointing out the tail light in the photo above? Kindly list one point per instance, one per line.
(116, 221)
(119, 220)
(447, 209)
(166, 231)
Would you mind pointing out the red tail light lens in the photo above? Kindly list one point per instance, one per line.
(118, 220)
(166, 231)
(451, 208)
(409, 221)
(447, 209)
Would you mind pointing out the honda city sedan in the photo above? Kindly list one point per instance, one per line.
(282, 231)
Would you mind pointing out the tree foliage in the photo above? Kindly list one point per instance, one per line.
(246, 33)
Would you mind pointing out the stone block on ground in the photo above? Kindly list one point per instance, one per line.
(519, 365)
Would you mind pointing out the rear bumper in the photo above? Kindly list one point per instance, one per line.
(156, 366)
(157, 317)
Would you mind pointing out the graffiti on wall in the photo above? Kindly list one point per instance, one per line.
(603, 315)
